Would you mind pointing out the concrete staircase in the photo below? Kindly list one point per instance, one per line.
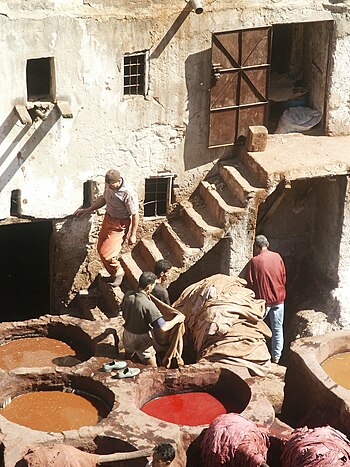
(220, 202)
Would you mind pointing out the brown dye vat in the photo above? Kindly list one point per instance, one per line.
(54, 411)
(338, 368)
(33, 352)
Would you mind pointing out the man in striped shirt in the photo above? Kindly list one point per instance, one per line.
(121, 217)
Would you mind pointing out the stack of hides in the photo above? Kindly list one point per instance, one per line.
(226, 323)
(321, 447)
(231, 440)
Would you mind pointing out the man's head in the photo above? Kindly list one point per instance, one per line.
(147, 281)
(163, 454)
(113, 179)
(261, 242)
(161, 267)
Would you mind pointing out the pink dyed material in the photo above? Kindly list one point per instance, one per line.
(321, 447)
(231, 440)
(190, 408)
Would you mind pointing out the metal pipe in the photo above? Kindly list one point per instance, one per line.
(197, 6)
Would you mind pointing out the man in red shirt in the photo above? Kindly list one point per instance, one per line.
(266, 276)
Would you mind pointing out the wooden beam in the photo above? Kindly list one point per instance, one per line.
(23, 114)
(274, 206)
(65, 109)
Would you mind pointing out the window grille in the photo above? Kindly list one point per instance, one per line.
(157, 196)
(134, 74)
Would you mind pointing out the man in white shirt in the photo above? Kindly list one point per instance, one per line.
(121, 217)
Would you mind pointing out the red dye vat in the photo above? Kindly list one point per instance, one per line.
(190, 408)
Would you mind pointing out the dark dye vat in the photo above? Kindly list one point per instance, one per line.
(33, 352)
(338, 368)
(54, 410)
(191, 408)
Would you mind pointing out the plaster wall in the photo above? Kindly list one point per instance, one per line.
(306, 230)
(341, 292)
(338, 114)
(167, 130)
(326, 227)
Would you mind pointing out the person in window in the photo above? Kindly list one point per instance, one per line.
(141, 316)
(161, 270)
(121, 217)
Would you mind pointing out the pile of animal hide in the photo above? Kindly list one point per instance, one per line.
(226, 323)
(322, 447)
(58, 455)
(231, 440)
(169, 342)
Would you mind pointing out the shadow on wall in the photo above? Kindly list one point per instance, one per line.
(171, 31)
(216, 261)
(198, 82)
(24, 151)
(71, 242)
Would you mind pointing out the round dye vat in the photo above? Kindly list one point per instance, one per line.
(191, 408)
(54, 411)
(338, 368)
(33, 352)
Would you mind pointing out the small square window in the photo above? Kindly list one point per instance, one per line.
(157, 196)
(16, 207)
(134, 74)
(39, 74)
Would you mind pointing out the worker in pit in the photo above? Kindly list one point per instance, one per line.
(266, 276)
(141, 316)
(161, 270)
(163, 455)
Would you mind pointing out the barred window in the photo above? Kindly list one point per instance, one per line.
(134, 74)
(157, 196)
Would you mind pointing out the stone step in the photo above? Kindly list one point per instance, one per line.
(220, 202)
(249, 161)
(179, 247)
(132, 270)
(238, 184)
(149, 251)
(200, 223)
(165, 251)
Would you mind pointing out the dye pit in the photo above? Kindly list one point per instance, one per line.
(192, 408)
(34, 352)
(54, 411)
(338, 368)
(120, 421)
(316, 389)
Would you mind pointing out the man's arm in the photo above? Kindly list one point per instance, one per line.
(167, 325)
(97, 204)
(133, 228)
(249, 275)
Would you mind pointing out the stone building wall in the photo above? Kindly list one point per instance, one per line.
(167, 130)
(164, 131)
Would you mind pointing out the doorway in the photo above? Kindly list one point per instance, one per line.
(25, 270)
(299, 73)
(259, 73)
